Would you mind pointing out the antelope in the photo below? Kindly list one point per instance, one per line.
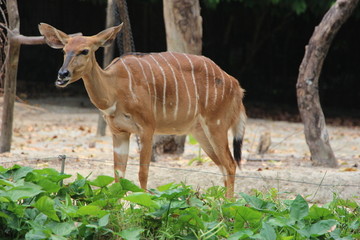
(156, 93)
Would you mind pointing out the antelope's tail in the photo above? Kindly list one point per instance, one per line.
(238, 133)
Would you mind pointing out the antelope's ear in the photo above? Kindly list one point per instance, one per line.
(53, 37)
(106, 37)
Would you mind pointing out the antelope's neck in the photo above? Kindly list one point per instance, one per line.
(100, 86)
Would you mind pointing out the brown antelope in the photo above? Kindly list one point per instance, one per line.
(156, 93)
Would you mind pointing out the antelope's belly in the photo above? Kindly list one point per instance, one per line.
(176, 127)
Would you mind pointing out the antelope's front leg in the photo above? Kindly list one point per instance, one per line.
(121, 153)
(145, 157)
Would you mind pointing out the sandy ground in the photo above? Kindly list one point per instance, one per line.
(50, 127)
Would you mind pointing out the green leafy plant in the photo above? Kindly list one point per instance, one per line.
(198, 159)
(33, 205)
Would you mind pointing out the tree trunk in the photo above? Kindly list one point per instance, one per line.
(125, 42)
(108, 57)
(11, 66)
(317, 137)
(183, 24)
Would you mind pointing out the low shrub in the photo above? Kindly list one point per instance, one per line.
(35, 205)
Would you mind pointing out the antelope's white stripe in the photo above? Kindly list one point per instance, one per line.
(123, 149)
(231, 82)
(164, 90)
(130, 80)
(223, 79)
(186, 86)
(109, 111)
(194, 81)
(143, 72)
(176, 86)
(215, 87)
(154, 84)
(207, 83)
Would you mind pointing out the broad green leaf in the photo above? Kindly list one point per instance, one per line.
(3, 215)
(2, 169)
(281, 221)
(191, 216)
(116, 190)
(131, 233)
(21, 192)
(322, 227)
(143, 199)
(318, 213)
(168, 186)
(242, 213)
(130, 186)
(242, 234)
(257, 203)
(267, 232)
(91, 210)
(62, 229)
(102, 181)
(55, 237)
(287, 237)
(46, 206)
(49, 186)
(299, 208)
(101, 203)
(21, 173)
(355, 224)
(174, 193)
(35, 234)
(104, 220)
(51, 174)
(4, 182)
(4, 199)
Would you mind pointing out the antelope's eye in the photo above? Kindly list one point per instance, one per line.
(84, 52)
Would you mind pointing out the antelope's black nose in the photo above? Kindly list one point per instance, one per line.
(62, 74)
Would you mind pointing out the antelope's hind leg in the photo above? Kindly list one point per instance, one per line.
(215, 143)
(121, 153)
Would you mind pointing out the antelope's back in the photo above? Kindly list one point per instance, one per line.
(183, 86)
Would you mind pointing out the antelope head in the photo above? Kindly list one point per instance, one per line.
(79, 51)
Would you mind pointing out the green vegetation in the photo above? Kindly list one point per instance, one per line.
(198, 159)
(35, 206)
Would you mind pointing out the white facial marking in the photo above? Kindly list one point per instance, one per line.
(218, 122)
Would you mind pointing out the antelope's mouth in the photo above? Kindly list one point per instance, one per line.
(62, 82)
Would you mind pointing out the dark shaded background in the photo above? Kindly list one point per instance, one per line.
(261, 46)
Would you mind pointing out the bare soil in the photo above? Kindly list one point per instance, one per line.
(46, 128)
